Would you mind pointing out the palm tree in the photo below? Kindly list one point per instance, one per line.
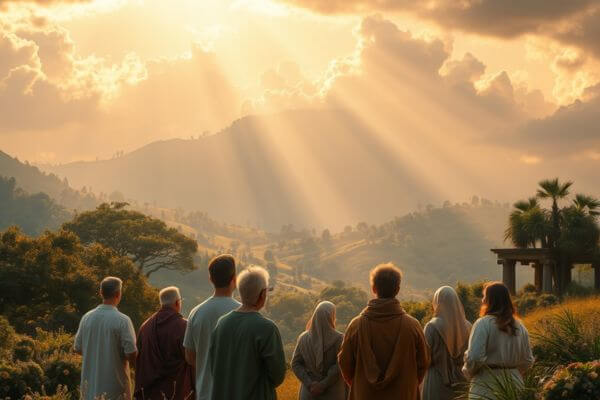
(587, 203)
(528, 224)
(555, 190)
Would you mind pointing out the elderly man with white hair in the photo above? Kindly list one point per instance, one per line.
(246, 353)
(106, 341)
(162, 372)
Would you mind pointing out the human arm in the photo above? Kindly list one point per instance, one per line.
(476, 354)
(333, 372)
(128, 342)
(188, 345)
(78, 342)
(423, 353)
(346, 360)
(527, 358)
(274, 357)
(298, 366)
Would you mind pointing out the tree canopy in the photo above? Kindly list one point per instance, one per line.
(147, 241)
(571, 230)
(51, 281)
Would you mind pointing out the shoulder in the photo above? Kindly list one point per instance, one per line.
(352, 327)
(483, 323)
(521, 327)
(123, 319)
(430, 328)
(411, 321)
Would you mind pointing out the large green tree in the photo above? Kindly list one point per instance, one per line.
(51, 281)
(147, 241)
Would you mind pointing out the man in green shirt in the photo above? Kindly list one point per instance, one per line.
(246, 353)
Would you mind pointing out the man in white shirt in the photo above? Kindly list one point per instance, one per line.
(106, 340)
(203, 319)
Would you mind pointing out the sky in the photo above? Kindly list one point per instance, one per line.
(451, 80)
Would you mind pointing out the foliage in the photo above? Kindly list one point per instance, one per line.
(147, 241)
(579, 381)
(34, 213)
(62, 370)
(566, 337)
(51, 281)
(20, 378)
(7, 338)
(470, 296)
(529, 299)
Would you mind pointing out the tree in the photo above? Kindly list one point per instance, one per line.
(51, 281)
(528, 224)
(147, 241)
(326, 236)
(555, 190)
(587, 204)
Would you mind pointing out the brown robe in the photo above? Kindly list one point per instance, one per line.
(384, 354)
(161, 370)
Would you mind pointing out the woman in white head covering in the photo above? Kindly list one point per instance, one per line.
(448, 337)
(315, 358)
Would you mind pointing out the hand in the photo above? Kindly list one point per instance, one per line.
(316, 389)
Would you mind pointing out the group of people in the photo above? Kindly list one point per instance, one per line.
(227, 350)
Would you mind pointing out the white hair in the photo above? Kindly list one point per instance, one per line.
(251, 282)
(169, 296)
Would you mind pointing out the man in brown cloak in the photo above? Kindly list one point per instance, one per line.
(384, 354)
(162, 372)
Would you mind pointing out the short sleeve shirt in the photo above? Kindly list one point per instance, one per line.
(104, 337)
(201, 322)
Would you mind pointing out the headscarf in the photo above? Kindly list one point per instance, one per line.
(320, 335)
(449, 320)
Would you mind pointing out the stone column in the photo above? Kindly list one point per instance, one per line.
(509, 275)
(539, 276)
(596, 275)
(547, 276)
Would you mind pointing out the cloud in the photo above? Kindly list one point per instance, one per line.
(574, 22)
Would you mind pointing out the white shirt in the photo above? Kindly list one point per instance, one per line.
(201, 322)
(104, 337)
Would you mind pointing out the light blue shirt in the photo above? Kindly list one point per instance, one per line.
(201, 322)
(104, 337)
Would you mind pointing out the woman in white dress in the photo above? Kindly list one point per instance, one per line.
(447, 335)
(499, 346)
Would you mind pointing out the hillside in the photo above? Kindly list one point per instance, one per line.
(307, 168)
(32, 180)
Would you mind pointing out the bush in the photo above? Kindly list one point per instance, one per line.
(579, 381)
(19, 379)
(529, 301)
(566, 337)
(7, 338)
(63, 371)
(24, 349)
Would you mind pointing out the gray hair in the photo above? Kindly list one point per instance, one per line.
(251, 282)
(169, 296)
(110, 287)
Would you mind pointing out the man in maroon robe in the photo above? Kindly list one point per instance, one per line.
(161, 370)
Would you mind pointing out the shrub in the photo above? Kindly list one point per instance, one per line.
(7, 338)
(24, 349)
(63, 371)
(19, 379)
(579, 381)
(529, 301)
(566, 337)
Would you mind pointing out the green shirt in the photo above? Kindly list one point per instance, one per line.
(246, 357)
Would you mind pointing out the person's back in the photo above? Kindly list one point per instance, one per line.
(246, 353)
(201, 322)
(384, 354)
(498, 346)
(106, 340)
(203, 319)
(246, 357)
(161, 370)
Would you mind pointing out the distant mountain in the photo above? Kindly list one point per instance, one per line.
(309, 168)
(30, 179)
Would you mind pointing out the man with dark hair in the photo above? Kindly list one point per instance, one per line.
(393, 365)
(106, 340)
(203, 319)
